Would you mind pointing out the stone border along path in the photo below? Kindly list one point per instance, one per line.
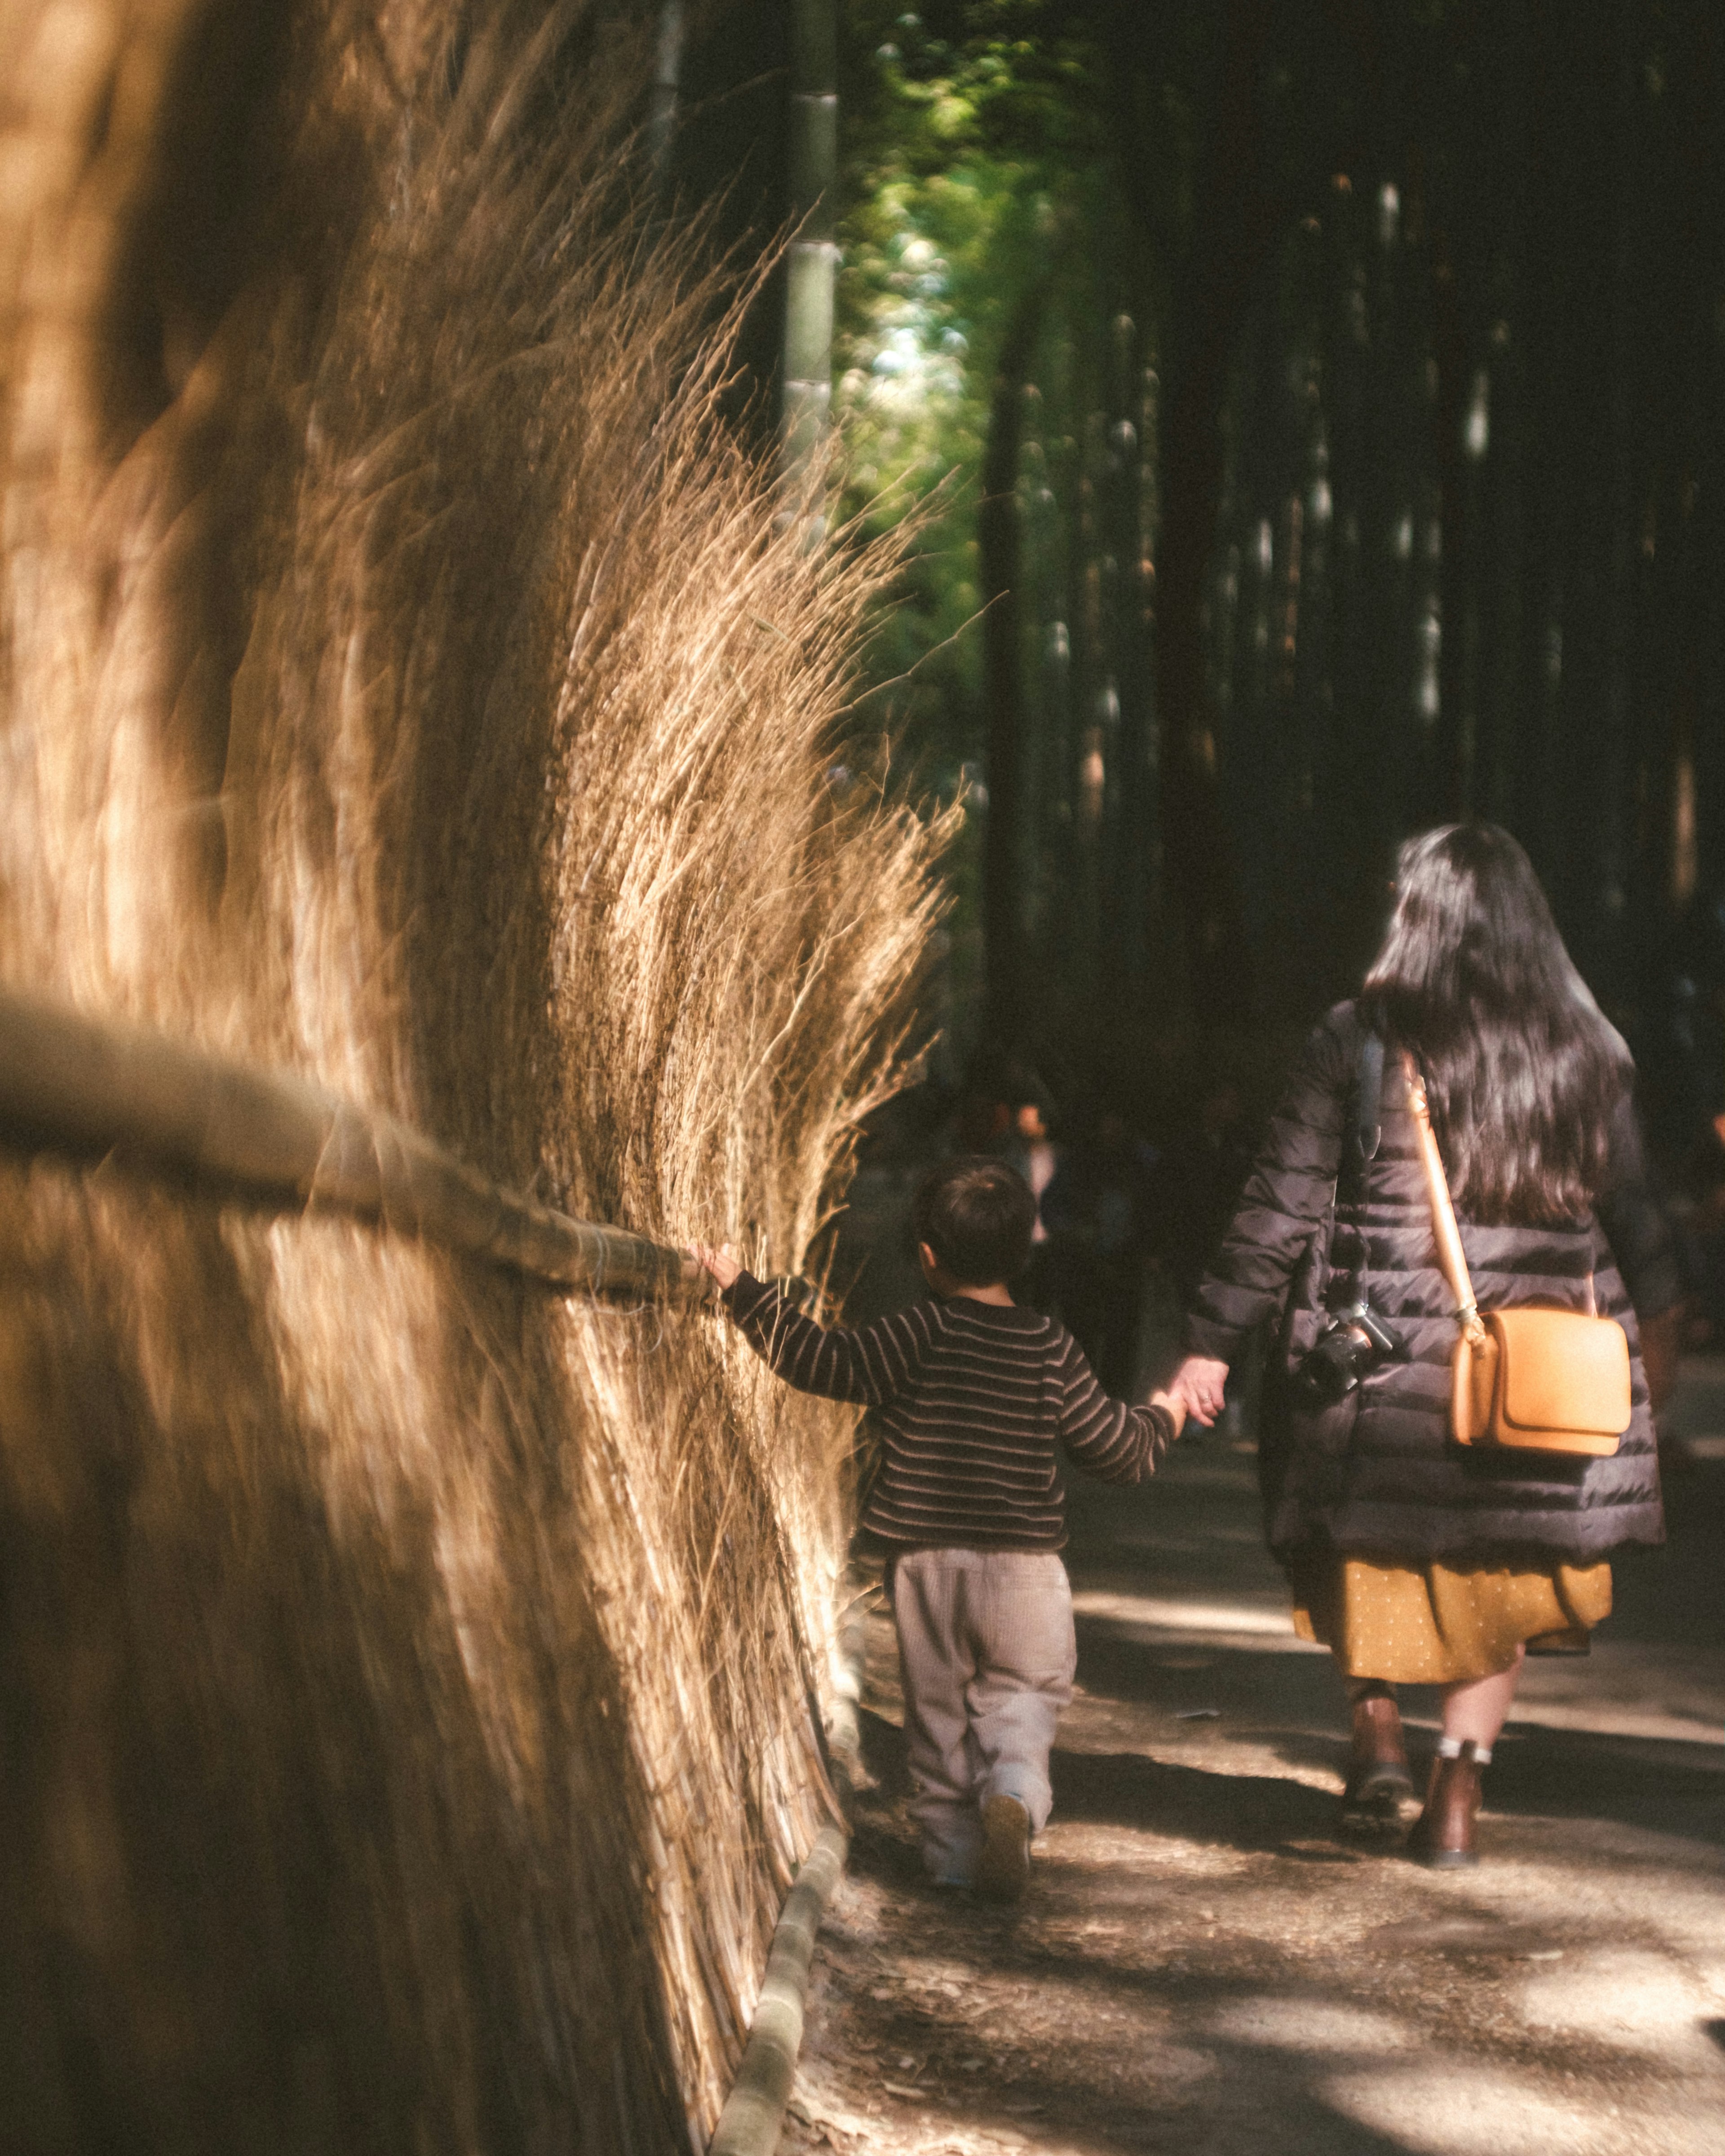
(1203, 1967)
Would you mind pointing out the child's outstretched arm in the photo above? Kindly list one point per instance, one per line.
(1107, 1438)
(867, 1364)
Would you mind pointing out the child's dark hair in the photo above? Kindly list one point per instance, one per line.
(976, 1214)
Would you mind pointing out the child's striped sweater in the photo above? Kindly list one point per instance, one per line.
(969, 1398)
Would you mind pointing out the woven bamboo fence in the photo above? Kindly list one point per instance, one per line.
(410, 1671)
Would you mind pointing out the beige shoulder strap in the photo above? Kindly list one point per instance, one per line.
(1451, 1257)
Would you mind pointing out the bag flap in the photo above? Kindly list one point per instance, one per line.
(1562, 1371)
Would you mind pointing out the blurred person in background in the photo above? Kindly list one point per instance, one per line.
(1031, 1149)
(982, 1123)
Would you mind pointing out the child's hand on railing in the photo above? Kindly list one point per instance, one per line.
(721, 1262)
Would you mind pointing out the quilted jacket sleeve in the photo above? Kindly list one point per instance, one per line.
(1287, 1197)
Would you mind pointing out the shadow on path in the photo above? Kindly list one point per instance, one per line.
(1202, 1966)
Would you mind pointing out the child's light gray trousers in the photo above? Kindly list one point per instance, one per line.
(986, 1650)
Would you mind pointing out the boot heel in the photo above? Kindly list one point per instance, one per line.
(1378, 1783)
(1443, 1835)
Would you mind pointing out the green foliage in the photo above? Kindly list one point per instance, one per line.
(1390, 271)
(980, 167)
(971, 138)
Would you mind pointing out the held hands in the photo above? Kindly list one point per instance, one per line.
(722, 1263)
(1173, 1405)
(1200, 1385)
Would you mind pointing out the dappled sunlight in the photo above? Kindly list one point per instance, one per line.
(1645, 2002)
(1315, 2028)
(1141, 1616)
(1200, 1954)
(1458, 2107)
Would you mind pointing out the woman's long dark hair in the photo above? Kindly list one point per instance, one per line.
(1521, 1069)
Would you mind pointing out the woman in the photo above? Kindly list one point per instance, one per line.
(1414, 1559)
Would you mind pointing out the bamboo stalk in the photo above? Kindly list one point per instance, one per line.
(667, 88)
(90, 1089)
(813, 258)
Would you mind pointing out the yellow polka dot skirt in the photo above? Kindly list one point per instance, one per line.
(1415, 1623)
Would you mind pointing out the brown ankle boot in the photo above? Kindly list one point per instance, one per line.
(1443, 1834)
(1378, 1777)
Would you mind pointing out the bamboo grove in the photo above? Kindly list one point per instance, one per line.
(1344, 387)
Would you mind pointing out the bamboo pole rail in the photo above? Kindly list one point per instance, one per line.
(89, 1089)
(753, 2115)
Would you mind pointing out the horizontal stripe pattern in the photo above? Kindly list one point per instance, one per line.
(972, 1401)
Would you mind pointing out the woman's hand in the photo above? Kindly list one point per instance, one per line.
(1201, 1383)
(722, 1263)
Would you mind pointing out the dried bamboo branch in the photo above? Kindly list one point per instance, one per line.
(91, 1089)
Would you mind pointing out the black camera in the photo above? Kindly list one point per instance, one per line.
(1354, 1343)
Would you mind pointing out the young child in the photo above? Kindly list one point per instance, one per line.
(971, 1393)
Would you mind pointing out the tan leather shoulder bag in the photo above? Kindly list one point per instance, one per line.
(1541, 1379)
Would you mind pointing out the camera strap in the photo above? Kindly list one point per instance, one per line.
(1366, 1134)
(1367, 1128)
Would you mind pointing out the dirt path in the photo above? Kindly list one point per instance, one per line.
(1202, 1966)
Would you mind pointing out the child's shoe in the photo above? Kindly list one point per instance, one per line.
(1003, 1870)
